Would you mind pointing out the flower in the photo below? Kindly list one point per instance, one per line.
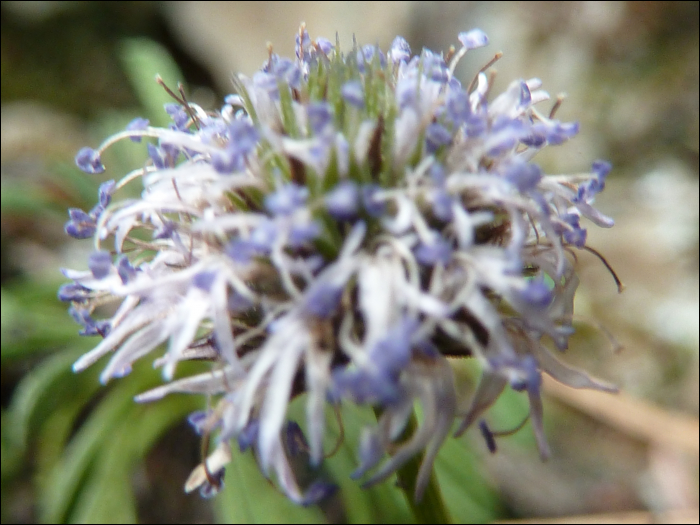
(343, 229)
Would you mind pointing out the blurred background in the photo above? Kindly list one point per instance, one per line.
(74, 72)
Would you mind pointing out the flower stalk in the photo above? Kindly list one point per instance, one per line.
(431, 507)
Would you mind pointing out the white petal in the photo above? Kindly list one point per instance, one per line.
(402, 221)
(407, 131)
(317, 365)
(274, 408)
(137, 346)
(215, 462)
(568, 375)
(139, 318)
(376, 299)
(363, 140)
(191, 312)
(214, 382)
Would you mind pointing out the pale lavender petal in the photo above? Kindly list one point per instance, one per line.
(473, 39)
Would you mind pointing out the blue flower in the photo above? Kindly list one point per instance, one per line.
(436, 135)
(138, 124)
(523, 175)
(100, 264)
(178, 114)
(88, 160)
(286, 199)
(353, 93)
(434, 251)
(473, 39)
(342, 228)
(320, 117)
(81, 224)
(400, 51)
(342, 201)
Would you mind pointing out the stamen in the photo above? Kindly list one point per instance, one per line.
(518, 427)
(182, 100)
(204, 453)
(618, 282)
(188, 108)
(557, 105)
(450, 53)
(491, 62)
(490, 435)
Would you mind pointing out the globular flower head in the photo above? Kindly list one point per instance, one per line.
(343, 229)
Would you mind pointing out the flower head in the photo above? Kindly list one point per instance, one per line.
(358, 223)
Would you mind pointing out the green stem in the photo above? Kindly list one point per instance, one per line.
(431, 508)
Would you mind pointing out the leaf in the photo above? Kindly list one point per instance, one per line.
(107, 496)
(469, 498)
(41, 391)
(11, 458)
(248, 497)
(381, 503)
(49, 440)
(64, 480)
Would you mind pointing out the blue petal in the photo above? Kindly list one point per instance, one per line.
(88, 160)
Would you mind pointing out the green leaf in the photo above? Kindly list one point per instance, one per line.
(41, 391)
(469, 498)
(12, 455)
(49, 440)
(107, 496)
(382, 503)
(63, 481)
(248, 497)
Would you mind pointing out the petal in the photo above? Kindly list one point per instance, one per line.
(568, 375)
(490, 387)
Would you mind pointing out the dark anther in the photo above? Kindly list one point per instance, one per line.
(374, 156)
(298, 171)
